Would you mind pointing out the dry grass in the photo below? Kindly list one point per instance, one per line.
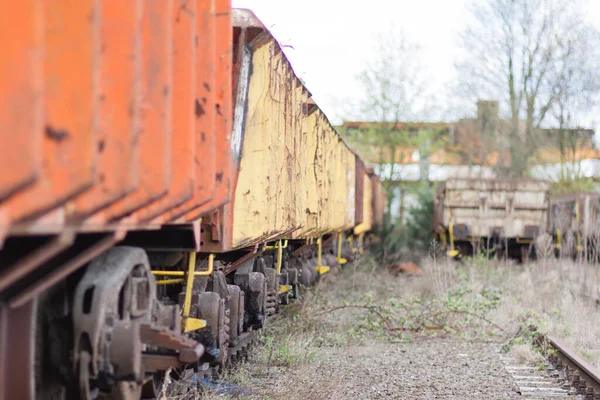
(525, 354)
(556, 296)
(288, 350)
(560, 296)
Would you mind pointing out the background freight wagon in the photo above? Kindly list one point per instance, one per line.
(503, 214)
(573, 224)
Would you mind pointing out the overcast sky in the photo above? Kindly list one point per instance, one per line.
(330, 40)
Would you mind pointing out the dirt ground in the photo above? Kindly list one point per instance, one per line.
(364, 333)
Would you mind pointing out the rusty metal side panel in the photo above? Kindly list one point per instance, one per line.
(154, 139)
(359, 190)
(70, 40)
(575, 212)
(367, 210)
(182, 168)
(222, 110)
(118, 113)
(17, 352)
(205, 111)
(378, 204)
(21, 118)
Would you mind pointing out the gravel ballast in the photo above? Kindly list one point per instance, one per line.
(424, 369)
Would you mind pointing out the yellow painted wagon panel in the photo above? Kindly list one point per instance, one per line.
(267, 203)
(296, 175)
(330, 170)
(252, 195)
(348, 195)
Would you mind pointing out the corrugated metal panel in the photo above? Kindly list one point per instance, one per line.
(182, 171)
(68, 97)
(155, 110)
(222, 111)
(21, 106)
(119, 61)
(134, 115)
(204, 109)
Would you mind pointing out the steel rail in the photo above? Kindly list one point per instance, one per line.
(586, 380)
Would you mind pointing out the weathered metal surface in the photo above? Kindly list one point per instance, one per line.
(17, 352)
(576, 213)
(65, 263)
(117, 115)
(329, 180)
(113, 298)
(278, 146)
(379, 199)
(262, 198)
(511, 207)
(222, 112)
(155, 135)
(132, 129)
(367, 207)
(61, 66)
(359, 190)
(204, 110)
(21, 106)
(182, 152)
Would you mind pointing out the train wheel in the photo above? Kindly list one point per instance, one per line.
(112, 301)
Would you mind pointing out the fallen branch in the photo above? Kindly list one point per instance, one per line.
(480, 317)
(375, 309)
(392, 330)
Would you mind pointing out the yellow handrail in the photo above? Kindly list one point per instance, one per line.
(452, 252)
(321, 269)
(169, 281)
(340, 259)
(188, 323)
(279, 256)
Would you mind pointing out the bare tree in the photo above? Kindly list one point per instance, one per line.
(520, 51)
(396, 89)
(395, 85)
(576, 80)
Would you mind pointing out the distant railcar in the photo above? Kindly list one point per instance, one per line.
(502, 215)
(574, 224)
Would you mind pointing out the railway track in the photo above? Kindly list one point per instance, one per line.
(574, 370)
